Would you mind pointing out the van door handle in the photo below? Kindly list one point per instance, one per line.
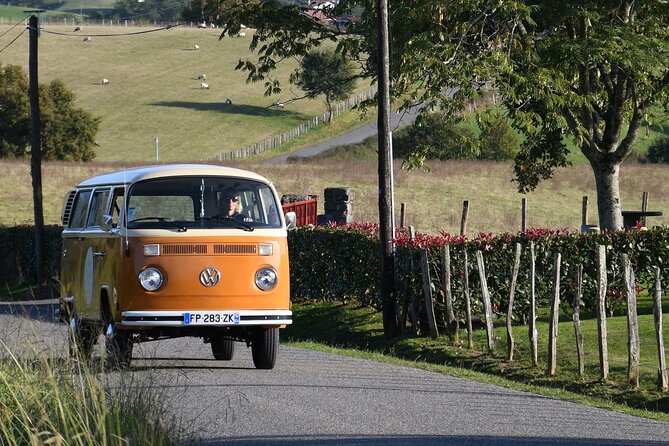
(99, 254)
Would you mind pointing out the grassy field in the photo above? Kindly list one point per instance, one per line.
(154, 91)
(433, 200)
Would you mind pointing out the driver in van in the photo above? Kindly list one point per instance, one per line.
(230, 206)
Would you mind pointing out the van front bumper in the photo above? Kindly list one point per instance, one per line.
(213, 318)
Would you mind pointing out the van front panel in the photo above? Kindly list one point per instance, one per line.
(205, 273)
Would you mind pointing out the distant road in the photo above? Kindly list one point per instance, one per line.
(397, 119)
(320, 399)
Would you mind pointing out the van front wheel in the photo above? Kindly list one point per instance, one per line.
(264, 347)
(118, 347)
(81, 339)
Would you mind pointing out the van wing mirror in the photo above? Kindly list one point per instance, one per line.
(291, 220)
(106, 224)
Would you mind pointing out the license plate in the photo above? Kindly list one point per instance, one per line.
(211, 318)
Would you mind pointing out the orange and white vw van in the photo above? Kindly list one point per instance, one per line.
(149, 253)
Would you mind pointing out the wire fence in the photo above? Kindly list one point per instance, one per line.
(276, 141)
(75, 21)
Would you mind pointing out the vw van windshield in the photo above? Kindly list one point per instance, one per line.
(181, 203)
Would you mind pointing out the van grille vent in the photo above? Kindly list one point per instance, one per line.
(235, 249)
(185, 249)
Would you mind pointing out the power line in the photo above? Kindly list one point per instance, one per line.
(110, 35)
(15, 39)
(17, 24)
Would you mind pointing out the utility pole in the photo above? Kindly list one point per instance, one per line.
(36, 148)
(386, 233)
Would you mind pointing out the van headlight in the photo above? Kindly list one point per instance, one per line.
(266, 278)
(151, 279)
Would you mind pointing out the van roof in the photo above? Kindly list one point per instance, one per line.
(134, 174)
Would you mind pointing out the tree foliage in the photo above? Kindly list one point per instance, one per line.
(67, 133)
(586, 70)
(324, 72)
(165, 10)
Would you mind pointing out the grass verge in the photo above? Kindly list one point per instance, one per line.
(52, 401)
(354, 330)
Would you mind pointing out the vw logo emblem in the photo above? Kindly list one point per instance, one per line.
(209, 277)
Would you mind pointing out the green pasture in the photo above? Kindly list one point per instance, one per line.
(154, 91)
(9, 15)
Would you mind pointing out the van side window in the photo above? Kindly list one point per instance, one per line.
(98, 207)
(78, 219)
(117, 202)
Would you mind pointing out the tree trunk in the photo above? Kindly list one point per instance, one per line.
(328, 102)
(608, 193)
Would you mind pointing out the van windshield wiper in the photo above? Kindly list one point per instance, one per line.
(224, 218)
(179, 227)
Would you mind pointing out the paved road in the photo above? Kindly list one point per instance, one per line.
(313, 398)
(353, 137)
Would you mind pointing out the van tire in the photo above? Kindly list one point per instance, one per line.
(81, 339)
(264, 347)
(118, 347)
(222, 348)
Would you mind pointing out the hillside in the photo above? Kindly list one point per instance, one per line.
(154, 90)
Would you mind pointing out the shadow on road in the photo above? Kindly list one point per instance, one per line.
(42, 310)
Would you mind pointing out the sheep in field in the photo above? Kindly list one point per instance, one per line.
(202, 77)
(105, 81)
(204, 86)
(242, 34)
(88, 39)
(77, 29)
(196, 47)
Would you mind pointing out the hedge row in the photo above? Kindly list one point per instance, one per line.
(17, 263)
(342, 262)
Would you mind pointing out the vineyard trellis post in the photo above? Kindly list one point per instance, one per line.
(532, 328)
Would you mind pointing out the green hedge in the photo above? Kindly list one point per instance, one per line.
(17, 264)
(342, 262)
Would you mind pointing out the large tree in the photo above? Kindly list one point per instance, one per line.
(67, 132)
(587, 70)
(326, 73)
(590, 71)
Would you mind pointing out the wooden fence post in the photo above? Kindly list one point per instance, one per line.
(662, 382)
(633, 346)
(576, 304)
(554, 316)
(510, 344)
(523, 214)
(532, 327)
(485, 296)
(644, 207)
(584, 211)
(468, 302)
(601, 313)
(427, 293)
(453, 325)
(465, 215)
(402, 214)
(413, 313)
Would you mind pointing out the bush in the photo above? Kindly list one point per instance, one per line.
(658, 152)
(436, 136)
(498, 140)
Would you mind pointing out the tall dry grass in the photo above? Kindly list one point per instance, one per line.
(433, 200)
(54, 401)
